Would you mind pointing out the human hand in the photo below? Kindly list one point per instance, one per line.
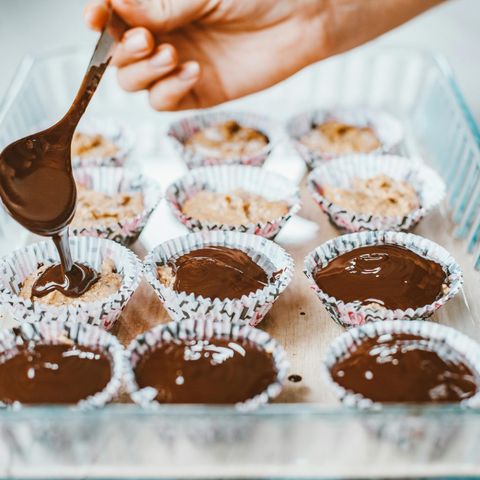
(199, 53)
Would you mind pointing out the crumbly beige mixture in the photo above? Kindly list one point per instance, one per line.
(92, 145)
(380, 195)
(108, 283)
(97, 208)
(237, 208)
(338, 138)
(227, 139)
(166, 275)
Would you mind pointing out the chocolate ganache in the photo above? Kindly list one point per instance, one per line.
(217, 272)
(215, 371)
(36, 182)
(404, 368)
(53, 374)
(388, 275)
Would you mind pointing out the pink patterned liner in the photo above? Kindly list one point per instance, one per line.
(204, 329)
(52, 333)
(250, 308)
(227, 178)
(387, 128)
(16, 266)
(183, 129)
(111, 180)
(341, 171)
(441, 338)
(353, 314)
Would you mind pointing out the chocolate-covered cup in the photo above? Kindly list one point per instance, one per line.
(205, 361)
(380, 275)
(227, 275)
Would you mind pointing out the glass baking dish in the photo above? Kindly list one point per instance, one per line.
(282, 440)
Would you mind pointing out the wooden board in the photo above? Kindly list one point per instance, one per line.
(298, 320)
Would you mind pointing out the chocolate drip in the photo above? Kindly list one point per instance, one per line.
(388, 275)
(404, 368)
(38, 189)
(215, 371)
(218, 272)
(53, 374)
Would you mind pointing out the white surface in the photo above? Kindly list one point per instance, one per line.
(33, 26)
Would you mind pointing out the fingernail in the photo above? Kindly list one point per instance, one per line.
(162, 58)
(136, 42)
(189, 70)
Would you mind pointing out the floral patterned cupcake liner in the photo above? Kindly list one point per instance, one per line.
(52, 333)
(227, 178)
(204, 329)
(121, 136)
(387, 128)
(111, 180)
(18, 265)
(180, 131)
(250, 308)
(352, 314)
(340, 172)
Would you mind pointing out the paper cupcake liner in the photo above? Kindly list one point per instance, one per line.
(387, 128)
(340, 172)
(204, 329)
(111, 180)
(441, 339)
(227, 178)
(121, 136)
(51, 333)
(180, 131)
(16, 266)
(406, 431)
(351, 314)
(248, 309)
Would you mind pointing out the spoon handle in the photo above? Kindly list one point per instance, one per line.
(102, 55)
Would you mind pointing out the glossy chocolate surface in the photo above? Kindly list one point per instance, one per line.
(388, 275)
(218, 272)
(59, 374)
(216, 371)
(404, 368)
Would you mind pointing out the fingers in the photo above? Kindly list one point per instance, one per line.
(174, 91)
(163, 15)
(96, 14)
(140, 75)
(137, 44)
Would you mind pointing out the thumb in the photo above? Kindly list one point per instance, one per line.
(163, 15)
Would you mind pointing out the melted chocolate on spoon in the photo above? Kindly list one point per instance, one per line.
(215, 371)
(53, 374)
(218, 272)
(36, 182)
(404, 368)
(389, 275)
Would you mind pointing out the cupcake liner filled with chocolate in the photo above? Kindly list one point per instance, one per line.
(227, 275)
(375, 192)
(114, 203)
(101, 142)
(117, 270)
(233, 197)
(205, 361)
(368, 276)
(404, 362)
(224, 138)
(67, 363)
(322, 134)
